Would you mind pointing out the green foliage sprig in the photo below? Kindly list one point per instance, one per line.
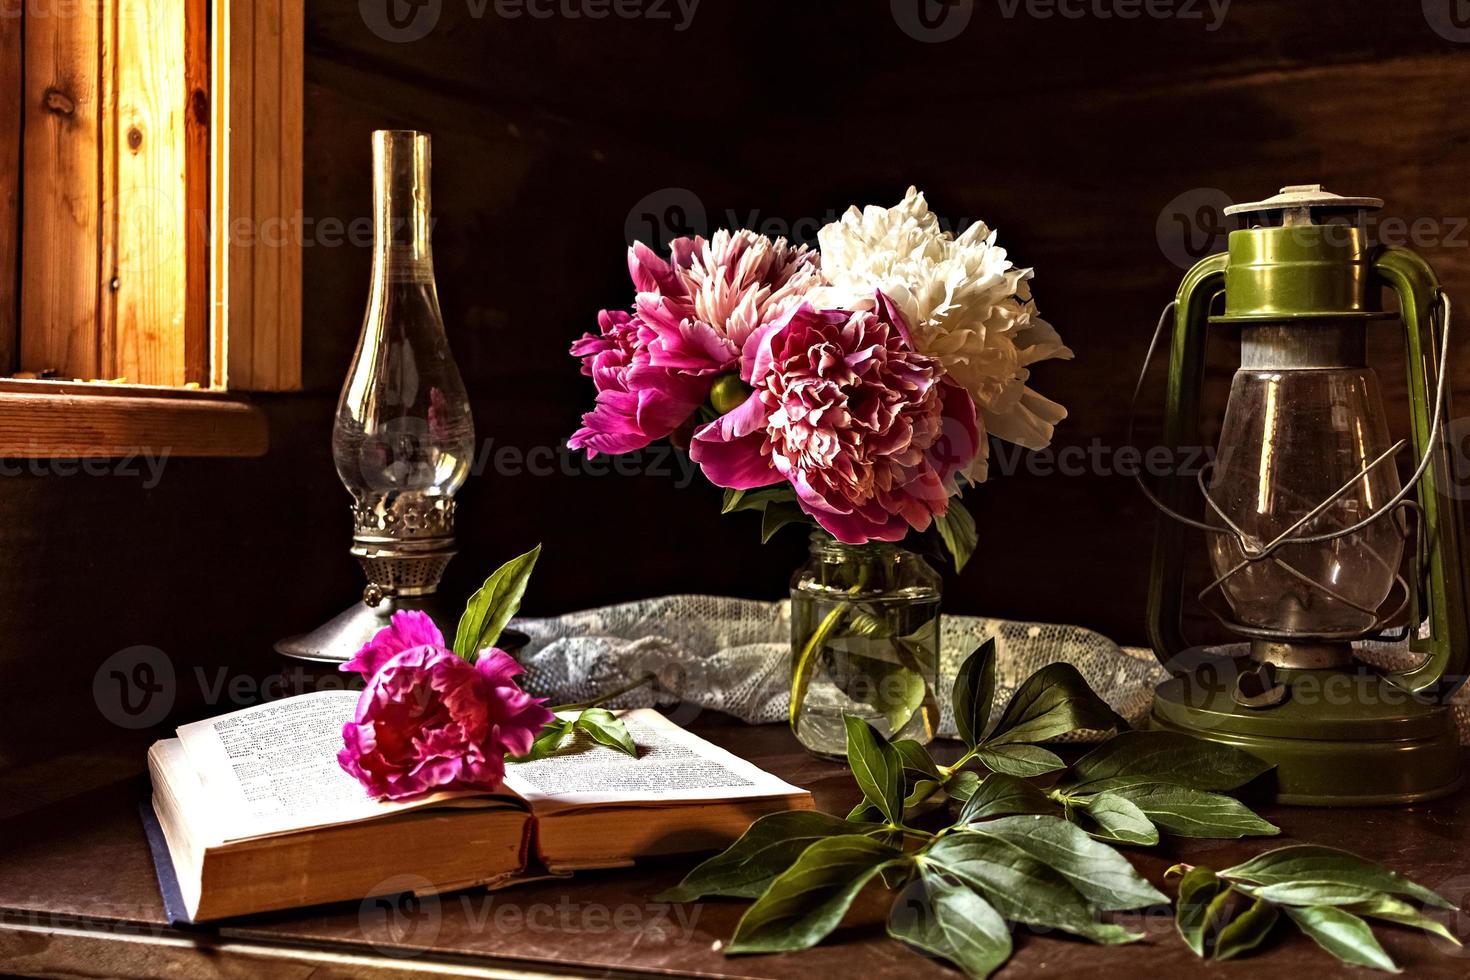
(1326, 893)
(485, 617)
(594, 721)
(1021, 852)
(1124, 791)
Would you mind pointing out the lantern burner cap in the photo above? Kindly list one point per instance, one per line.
(1297, 202)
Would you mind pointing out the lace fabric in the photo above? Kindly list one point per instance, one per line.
(733, 656)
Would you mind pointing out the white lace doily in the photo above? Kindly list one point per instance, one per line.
(733, 656)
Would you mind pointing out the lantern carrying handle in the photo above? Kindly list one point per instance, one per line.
(1435, 428)
(1439, 619)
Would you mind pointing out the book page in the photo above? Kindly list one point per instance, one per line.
(673, 766)
(273, 768)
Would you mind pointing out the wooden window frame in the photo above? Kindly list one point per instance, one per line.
(243, 133)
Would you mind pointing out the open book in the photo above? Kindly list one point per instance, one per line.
(257, 815)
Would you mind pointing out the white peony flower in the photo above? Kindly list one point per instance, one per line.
(965, 302)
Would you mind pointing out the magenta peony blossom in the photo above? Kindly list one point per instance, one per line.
(868, 432)
(692, 321)
(636, 403)
(429, 720)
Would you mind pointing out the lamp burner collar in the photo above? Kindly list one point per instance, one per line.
(1297, 202)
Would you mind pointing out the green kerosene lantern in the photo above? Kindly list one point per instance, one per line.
(1320, 553)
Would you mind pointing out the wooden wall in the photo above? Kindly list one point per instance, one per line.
(1077, 139)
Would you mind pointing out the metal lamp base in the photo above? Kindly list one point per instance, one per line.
(1338, 737)
(338, 639)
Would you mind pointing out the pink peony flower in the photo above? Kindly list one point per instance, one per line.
(698, 311)
(869, 432)
(636, 403)
(429, 720)
(693, 319)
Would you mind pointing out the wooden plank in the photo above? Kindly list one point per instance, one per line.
(145, 138)
(196, 191)
(258, 57)
(266, 173)
(60, 949)
(287, 366)
(232, 70)
(60, 274)
(107, 201)
(87, 423)
(11, 83)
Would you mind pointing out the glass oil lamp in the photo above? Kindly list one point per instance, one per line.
(403, 439)
(1305, 519)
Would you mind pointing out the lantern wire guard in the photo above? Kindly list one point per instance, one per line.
(1255, 551)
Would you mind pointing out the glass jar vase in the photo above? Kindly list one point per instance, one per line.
(865, 642)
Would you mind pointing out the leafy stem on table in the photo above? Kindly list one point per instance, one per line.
(1328, 894)
(1043, 855)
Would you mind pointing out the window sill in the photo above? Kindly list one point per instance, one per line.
(71, 419)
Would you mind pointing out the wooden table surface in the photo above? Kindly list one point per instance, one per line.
(78, 898)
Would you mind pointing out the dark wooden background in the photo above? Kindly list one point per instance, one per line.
(1090, 143)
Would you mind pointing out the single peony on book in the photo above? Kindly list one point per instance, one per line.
(255, 814)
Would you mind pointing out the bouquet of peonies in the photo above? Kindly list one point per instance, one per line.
(856, 386)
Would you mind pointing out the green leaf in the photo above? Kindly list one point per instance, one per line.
(1310, 893)
(1052, 702)
(1000, 795)
(1195, 813)
(974, 690)
(962, 785)
(1167, 757)
(1020, 886)
(1312, 862)
(606, 728)
(898, 694)
(876, 766)
(957, 528)
(916, 758)
(919, 650)
(808, 900)
(552, 737)
(1116, 818)
(1196, 912)
(863, 623)
(942, 917)
(769, 847)
(1100, 874)
(777, 514)
(1400, 912)
(736, 500)
(1248, 931)
(1019, 760)
(922, 791)
(493, 605)
(1344, 935)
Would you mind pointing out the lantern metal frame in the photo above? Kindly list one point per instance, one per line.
(1254, 551)
(1392, 739)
